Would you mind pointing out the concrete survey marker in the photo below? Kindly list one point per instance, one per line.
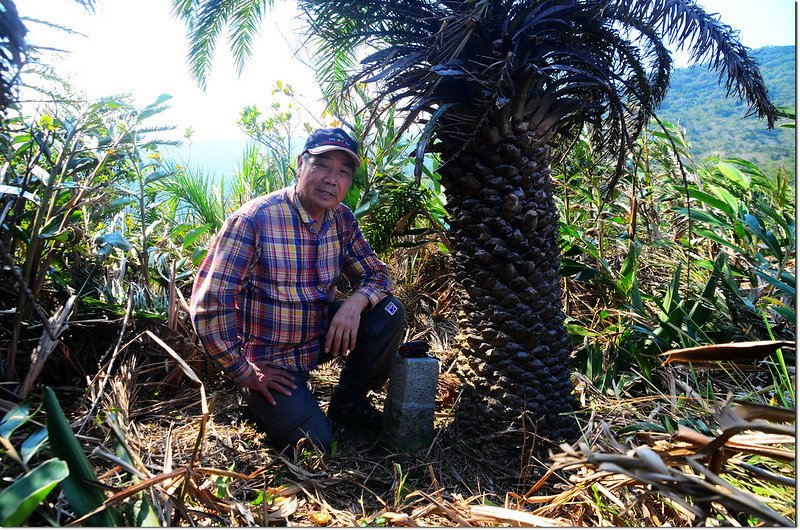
(410, 403)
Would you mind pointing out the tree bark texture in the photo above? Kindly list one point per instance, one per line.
(504, 226)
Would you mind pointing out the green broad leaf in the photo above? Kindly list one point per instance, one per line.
(198, 255)
(157, 175)
(15, 418)
(20, 234)
(673, 295)
(636, 297)
(789, 313)
(766, 210)
(120, 203)
(708, 234)
(712, 201)
(571, 268)
(80, 163)
(351, 198)
(726, 196)
(773, 244)
(33, 444)
(21, 138)
(51, 229)
(576, 329)
(112, 103)
(669, 424)
(752, 225)
(144, 514)
(788, 289)
(704, 264)
(79, 489)
(160, 100)
(733, 174)
(738, 229)
(20, 499)
(13, 190)
(701, 215)
(114, 239)
(627, 272)
(727, 277)
(192, 235)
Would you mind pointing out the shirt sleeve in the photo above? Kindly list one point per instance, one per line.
(366, 273)
(213, 304)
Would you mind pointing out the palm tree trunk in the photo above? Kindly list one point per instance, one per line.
(516, 352)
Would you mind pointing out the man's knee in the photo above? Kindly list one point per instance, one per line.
(394, 313)
(292, 418)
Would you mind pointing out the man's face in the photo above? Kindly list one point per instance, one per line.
(323, 181)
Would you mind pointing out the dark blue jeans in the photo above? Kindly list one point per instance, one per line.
(365, 367)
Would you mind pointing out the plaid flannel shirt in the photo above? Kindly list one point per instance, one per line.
(263, 289)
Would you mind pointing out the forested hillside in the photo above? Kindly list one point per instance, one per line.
(716, 124)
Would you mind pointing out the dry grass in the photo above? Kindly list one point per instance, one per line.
(677, 452)
(218, 469)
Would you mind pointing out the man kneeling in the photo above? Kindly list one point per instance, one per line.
(264, 300)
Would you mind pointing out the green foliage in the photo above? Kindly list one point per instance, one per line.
(673, 262)
(19, 500)
(206, 20)
(77, 196)
(276, 132)
(79, 487)
(717, 125)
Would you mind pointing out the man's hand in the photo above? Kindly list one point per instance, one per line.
(266, 377)
(341, 336)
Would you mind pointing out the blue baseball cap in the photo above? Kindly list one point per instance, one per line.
(335, 139)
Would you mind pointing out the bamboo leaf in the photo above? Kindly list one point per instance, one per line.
(32, 444)
(115, 239)
(712, 201)
(788, 289)
(708, 234)
(726, 196)
(15, 418)
(79, 489)
(789, 313)
(706, 217)
(13, 190)
(20, 499)
(192, 235)
(733, 174)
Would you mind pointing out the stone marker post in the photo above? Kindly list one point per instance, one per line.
(410, 404)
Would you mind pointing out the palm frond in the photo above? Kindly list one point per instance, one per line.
(206, 20)
(390, 213)
(708, 41)
(554, 63)
(245, 21)
(195, 195)
(12, 50)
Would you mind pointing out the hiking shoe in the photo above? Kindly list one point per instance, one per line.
(354, 409)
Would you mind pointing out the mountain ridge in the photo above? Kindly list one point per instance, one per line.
(717, 125)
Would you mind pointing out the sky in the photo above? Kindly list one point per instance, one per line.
(139, 47)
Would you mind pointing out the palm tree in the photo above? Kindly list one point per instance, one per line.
(505, 86)
(12, 51)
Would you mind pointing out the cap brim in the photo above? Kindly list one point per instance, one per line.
(325, 148)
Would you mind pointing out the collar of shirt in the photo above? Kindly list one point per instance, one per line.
(306, 218)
